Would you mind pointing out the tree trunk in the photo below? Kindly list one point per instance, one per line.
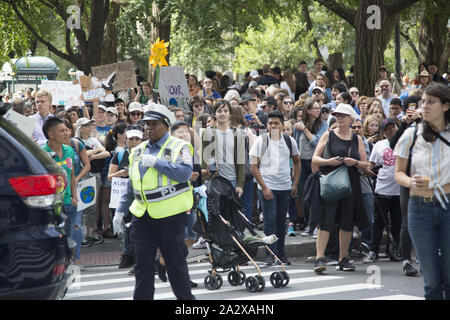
(109, 53)
(370, 44)
(433, 41)
(335, 61)
(160, 29)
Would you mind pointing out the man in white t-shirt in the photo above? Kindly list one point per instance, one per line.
(387, 191)
(270, 164)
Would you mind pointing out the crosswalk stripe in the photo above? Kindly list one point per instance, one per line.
(309, 292)
(199, 292)
(157, 285)
(396, 297)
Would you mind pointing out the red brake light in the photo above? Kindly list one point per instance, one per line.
(41, 185)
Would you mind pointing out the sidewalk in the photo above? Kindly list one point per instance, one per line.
(109, 252)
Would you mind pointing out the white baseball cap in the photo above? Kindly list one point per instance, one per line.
(345, 109)
(135, 106)
(134, 133)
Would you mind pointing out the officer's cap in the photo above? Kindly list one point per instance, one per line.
(154, 111)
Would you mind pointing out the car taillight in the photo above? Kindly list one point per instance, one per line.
(40, 190)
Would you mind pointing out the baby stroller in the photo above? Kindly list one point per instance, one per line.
(222, 224)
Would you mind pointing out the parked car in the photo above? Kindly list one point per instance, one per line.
(34, 250)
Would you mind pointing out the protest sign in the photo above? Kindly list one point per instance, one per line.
(173, 89)
(64, 93)
(86, 193)
(125, 77)
(118, 188)
(26, 124)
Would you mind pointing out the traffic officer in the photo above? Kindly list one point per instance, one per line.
(158, 194)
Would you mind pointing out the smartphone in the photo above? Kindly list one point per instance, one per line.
(412, 106)
(248, 117)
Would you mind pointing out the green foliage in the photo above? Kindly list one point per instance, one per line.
(284, 41)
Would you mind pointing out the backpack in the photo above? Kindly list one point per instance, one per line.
(287, 139)
(97, 165)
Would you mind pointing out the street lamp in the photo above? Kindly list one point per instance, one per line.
(13, 75)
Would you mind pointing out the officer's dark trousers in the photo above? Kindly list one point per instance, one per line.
(168, 235)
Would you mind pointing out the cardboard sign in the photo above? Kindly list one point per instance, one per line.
(125, 78)
(64, 93)
(173, 89)
(26, 124)
(86, 193)
(118, 188)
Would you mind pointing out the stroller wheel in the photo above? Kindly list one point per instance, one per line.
(243, 276)
(234, 278)
(394, 252)
(276, 279)
(285, 278)
(213, 282)
(252, 284)
(262, 283)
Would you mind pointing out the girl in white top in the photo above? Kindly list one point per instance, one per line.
(429, 183)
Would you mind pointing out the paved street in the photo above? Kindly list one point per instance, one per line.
(381, 281)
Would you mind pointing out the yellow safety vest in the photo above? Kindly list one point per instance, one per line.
(155, 193)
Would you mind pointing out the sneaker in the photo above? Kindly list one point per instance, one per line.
(285, 260)
(345, 265)
(315, 233)
(78, 265)
(193, 284)
(307, 232)
(364, 248)
(85, 243)
(126, 260)
(409, 270)
(200, 244)
(320, 266)
(94, 239)
(371, 257)
(290, 230)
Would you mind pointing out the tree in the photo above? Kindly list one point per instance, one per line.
(42, 18)
(373, 21)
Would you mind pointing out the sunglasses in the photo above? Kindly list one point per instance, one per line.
(288, 102)
(317, 92)
(135, 113)
(354, 93)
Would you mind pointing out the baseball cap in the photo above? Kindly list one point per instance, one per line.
(386, 122)
(118, 100)
(246, 97)
(83, 121)
(382, 67)
(113, 110)
(424, 73)
(254, 74)
(317, 88)
(103, 106)
(135, 106)
(134, 133)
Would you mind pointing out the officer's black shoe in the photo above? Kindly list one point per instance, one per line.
(161, 271)
(193, 284)
(126, 261)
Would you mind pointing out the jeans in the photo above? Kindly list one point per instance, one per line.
(190, 222)
(274, 217)
(429, 228)
(73, 227)
(366, 234)
(247, 199)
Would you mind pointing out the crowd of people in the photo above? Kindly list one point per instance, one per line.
(272, 137)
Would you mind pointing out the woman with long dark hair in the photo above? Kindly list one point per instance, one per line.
(310, 130)
(422, 166)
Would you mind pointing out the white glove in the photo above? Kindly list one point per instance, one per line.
(117, 222)
(148, 160)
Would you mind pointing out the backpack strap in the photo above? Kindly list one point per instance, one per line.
(265, 144)
(408, 166)
(120, 155)
(288, 141)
